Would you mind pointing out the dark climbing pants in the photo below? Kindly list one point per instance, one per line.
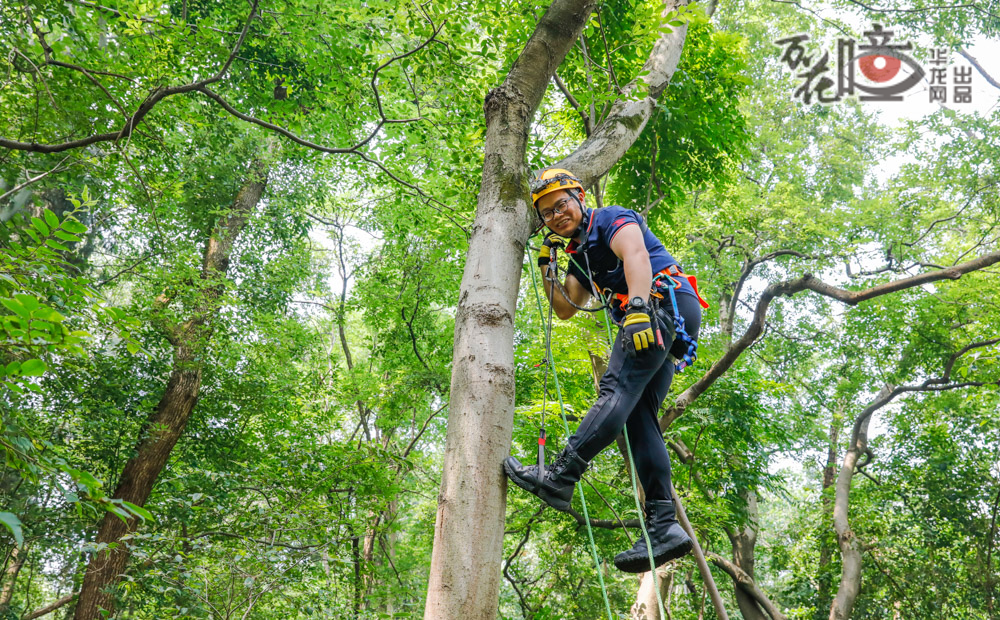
(631, 392)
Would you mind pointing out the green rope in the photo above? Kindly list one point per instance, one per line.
(562, 413)
(631, 460)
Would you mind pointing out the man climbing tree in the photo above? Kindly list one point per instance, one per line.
(616, 256)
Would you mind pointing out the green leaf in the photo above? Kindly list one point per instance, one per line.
(15, 306)
(40, 225)
(51, 219)
(14, 525)
(13, 368)
(29, 302)
(132, 347)
(55, 245)
(87, 480)
(33, 368)
(65, 236)
(73, 226)
(139, 511)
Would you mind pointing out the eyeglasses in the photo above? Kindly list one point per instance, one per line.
(557, 210)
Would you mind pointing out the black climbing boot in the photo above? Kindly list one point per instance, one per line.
(556, 487)
(668, 538)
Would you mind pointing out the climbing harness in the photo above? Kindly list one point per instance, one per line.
(667, 279)
(689, 352)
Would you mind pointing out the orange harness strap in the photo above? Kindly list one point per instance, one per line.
(672, 272)
(675, 270)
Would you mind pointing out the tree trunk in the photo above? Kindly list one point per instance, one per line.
(646, 606)
(18, 555)
(468, 533)
(464, 577)
(825, 542)
(743, 541)
(850, 551)
(170, 417)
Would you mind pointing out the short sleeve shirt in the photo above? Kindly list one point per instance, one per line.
(607, 270)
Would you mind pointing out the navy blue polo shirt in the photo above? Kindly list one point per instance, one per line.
(606, 269)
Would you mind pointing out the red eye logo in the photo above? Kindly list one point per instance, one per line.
(879, 68)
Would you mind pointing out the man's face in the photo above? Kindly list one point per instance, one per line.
(560, 212)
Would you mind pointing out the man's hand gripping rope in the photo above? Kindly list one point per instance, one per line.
(547, 257)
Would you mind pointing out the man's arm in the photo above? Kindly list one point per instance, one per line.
(629, 246)
(574, 289)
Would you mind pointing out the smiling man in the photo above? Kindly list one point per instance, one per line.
(659, 312)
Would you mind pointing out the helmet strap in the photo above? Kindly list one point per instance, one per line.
(583, 212)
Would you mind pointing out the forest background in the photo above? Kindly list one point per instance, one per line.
(231, 273)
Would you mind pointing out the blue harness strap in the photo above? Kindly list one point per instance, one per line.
(691, 354)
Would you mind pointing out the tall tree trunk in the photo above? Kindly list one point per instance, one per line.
(168, 420)
(744, 540)
(850, 550)
(468, 535)
(825, 542)
(18, 555)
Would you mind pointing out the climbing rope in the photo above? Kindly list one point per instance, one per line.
(550, 364)
(628, 450)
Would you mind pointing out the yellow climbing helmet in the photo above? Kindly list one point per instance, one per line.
(550, 180)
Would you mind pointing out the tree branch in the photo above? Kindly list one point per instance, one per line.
(588, 127)
(41, 611)
(809, 282)
(630, 113)
(144, 108)
(747, 584)
(605, 524)
(975, 63)
(14, 190)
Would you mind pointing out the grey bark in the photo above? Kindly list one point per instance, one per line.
(464, 577)
(850, 550)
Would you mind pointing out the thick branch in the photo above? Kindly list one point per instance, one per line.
(743, 581)
(42, 611)
(809, 282)
(630, 113)
(144, 108)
